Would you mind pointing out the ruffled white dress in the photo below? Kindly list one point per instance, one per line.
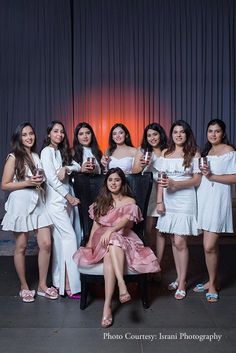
(125, 163)
(25, 208)
(180, 217)
(214, 199)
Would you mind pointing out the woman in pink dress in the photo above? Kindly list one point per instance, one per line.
(113, 241)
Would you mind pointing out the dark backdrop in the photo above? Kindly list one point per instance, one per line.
(105, 61)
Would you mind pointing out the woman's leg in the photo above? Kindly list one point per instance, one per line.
(210, 243)
(21, 240)
(117, 258)
(110, 280)
(182, 256)
(44, 244)
(176, 259)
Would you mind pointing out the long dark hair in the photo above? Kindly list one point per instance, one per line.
(78, 148)
(112, 145)
(163, 139)
(225, 140)
(104, 200)
(64, 146)
(22, 157)
(190, 146)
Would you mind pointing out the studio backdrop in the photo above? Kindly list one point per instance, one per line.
(107, 61)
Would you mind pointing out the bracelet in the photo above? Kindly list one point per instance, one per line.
(158, 203)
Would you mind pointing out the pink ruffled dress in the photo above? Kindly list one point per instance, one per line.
(139, 258)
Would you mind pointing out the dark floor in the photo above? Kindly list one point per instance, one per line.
(60, 326)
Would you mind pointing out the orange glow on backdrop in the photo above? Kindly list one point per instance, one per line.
(102, 108)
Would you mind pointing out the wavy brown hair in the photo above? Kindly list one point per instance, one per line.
(190, 147)
(21, 156)
(104, 200)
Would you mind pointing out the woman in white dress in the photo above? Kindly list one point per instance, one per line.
(56, 159)
(120, 152)
(154, 141)
(178, 208)
(214, 200)
(25, 209)
(85, 147)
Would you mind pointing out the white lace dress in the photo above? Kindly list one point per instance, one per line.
(25, 208)
(181, 206)
(214, 199)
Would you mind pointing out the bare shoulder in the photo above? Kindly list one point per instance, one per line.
(197, 155)
(227, 149)
(133, 151)
(129, 200)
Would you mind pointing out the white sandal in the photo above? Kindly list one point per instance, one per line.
(27, 295)
(173, 285)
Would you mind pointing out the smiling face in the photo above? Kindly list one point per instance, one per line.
(27, 137)
(118, 136)
(114, 183)
(56, 135)
(215, 134)
(84, 136)
(179, 136)
(153, 137)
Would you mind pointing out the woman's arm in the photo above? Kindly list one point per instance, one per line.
(223, 179)
(8, 174)
(139, 163)
(106, 236)
(184, 184)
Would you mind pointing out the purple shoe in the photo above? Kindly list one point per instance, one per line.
(72, 296)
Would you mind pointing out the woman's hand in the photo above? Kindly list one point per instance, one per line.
(104, 240)
(161, 208)
(87, 167)
(206, 171)
(73, 201)
(35, 180)
(62, 173)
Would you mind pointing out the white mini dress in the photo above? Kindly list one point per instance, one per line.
(25, 208)
(214, 199)
(180, 217)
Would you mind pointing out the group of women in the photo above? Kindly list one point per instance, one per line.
(191, 193)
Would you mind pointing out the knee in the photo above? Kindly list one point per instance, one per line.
(210, 249)
(20, 249)
(45, 245)
(180, 244)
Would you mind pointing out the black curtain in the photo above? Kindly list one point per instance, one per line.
(103, 61)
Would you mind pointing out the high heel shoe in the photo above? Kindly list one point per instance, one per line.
(72, 296)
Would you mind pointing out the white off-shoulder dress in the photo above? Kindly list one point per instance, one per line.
(25, 208)
(180, 217)
(125, 163)
(214, 199)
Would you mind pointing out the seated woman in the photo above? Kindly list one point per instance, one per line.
(112, 240)
(85, 147)
(120, 152)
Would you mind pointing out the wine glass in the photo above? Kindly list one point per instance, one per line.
(92, 161)
(107, 158)
(147, 156)
(162, 177)
(203, 162)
